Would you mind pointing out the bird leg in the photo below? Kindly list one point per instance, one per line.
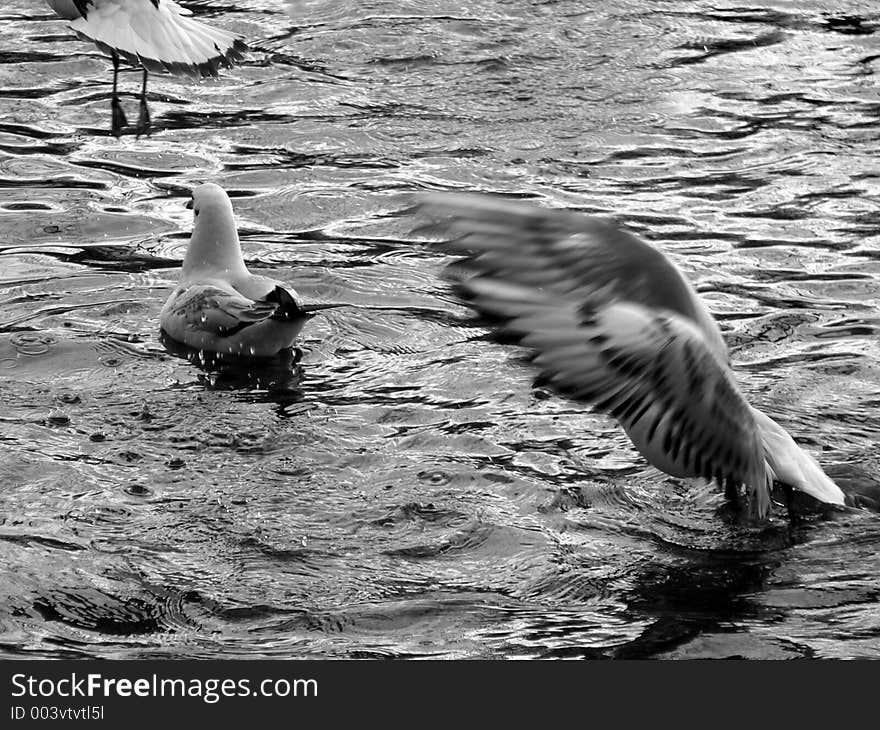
(731, 494)
(119, 120)
(143, 125)
(794, 516)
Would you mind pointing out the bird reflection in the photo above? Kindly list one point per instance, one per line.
(280, 375)
(703, 596)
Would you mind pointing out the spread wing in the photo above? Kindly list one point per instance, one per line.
(563, 252)
(612, 322)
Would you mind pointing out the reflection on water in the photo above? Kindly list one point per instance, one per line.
(277, 374)
(397, 487)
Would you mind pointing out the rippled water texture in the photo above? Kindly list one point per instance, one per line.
(403, 490)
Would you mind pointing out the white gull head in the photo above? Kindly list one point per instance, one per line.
(214, 248)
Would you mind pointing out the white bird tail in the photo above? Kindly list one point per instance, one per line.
(158, 36)
(792, 465)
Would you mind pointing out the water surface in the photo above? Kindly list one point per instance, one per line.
(402, 489)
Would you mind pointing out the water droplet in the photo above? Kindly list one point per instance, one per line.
(57, 417)
(435, 477)
(32, 343)
(138, 490)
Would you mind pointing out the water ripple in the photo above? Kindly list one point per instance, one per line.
(398, 487)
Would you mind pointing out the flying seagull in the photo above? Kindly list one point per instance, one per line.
(157, 35)
(218, 306)
(611, 321)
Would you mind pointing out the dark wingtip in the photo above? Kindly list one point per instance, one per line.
(209, 67)
(287, 306)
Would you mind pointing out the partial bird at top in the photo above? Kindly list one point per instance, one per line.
(219, 306)
(613, 322)
(157, 35)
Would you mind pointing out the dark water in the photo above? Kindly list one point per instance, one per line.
(402, 490)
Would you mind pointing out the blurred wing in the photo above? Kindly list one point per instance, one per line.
(611, 322)
(70, 9)
(157, 35)
(221, 311)
(564, 254)
(651, 370)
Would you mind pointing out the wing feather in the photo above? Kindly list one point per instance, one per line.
(611, 322)
(219, 310)
(160, 37)
(564, 253)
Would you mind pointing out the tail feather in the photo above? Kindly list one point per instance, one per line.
(158, 37)
(792, 465)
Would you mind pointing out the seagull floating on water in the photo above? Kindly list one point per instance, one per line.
(613, 322)
(219, 306)
(157, 35)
